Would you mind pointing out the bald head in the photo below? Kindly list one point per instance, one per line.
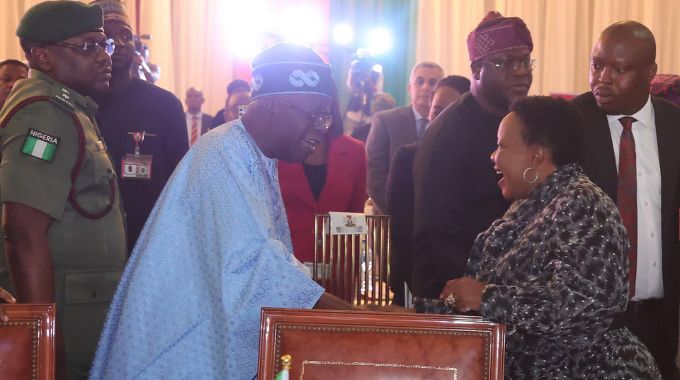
(194, 100)
(622, 67)
(635, 34)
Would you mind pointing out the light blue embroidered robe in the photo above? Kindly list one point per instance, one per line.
(215, 249)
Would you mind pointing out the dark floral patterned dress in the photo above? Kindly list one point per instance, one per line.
(557, 266)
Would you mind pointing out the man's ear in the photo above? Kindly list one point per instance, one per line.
(42, 57)
(476, 67)
(651, 72)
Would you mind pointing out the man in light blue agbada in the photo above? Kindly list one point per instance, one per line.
(216, 248)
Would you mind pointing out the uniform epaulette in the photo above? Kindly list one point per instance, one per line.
(63, 97)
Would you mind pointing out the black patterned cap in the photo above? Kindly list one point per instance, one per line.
(288, 68)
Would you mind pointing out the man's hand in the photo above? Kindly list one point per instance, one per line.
(6, 297)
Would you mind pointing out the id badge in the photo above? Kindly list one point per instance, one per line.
(136, 166)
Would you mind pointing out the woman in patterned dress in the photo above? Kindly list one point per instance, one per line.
(554, 268)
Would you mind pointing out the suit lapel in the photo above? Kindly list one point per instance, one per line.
(599, 159)
(667, 142)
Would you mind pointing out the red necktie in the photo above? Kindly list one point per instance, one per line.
(194, 130)
(627, 194)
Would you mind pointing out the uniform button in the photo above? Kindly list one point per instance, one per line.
(654, 264)
(646, 204)
(652, 234)
(108, 170)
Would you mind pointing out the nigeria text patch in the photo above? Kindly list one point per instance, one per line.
(40, 145)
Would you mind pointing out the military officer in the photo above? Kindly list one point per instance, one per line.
(65, 235)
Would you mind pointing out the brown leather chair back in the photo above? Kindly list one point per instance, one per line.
(27, 342)
(366, 345)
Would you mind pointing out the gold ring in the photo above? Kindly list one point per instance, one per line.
(450, 301)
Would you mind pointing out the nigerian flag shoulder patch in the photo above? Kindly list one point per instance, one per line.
(40, 145)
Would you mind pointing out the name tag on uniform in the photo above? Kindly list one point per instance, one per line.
(136, 166)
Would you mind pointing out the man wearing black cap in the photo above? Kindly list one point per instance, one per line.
(456, 189)
(189, 302)
(65, 237)
(143, 125)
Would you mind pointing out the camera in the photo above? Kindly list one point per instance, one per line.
(140, 46)
(364, 80)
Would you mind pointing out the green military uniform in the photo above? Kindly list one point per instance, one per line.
(54, 161)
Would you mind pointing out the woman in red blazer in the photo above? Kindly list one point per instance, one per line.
(333, 178)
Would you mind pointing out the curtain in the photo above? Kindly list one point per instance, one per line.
(192, 39)
(563, 33)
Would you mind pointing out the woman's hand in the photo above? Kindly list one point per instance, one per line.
(463, 293)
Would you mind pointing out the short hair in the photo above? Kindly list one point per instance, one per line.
(237, 85)
(456, 82)
(553, 123)
(428, 64)
(15, 62)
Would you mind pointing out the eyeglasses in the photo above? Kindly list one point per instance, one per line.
(526, 63)
(321, 120)
(91, 47)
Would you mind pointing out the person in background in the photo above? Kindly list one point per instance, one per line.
(144, 126)
(400, 191)
(142, 68)
(631, 151)
(332, 178)
(447, 91)
(456, 196)
(62, 214)
(198, 122)
(554, 268)
(238, 96)
(400, 126)
(11, 71)
(382, 101)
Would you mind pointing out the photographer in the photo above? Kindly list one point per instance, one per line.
(146, 70)
(364, 81)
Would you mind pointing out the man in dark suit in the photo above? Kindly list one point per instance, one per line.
(400, 191)
(634, 137)
(198, 122)
(142, 124)
(456, 190)
(396, 127)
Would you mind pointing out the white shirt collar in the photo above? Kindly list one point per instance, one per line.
(417, 115)
(645, 116)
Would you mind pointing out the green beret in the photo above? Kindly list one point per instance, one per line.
(53, 21)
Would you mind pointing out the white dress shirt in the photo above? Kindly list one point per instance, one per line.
(648, 280)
